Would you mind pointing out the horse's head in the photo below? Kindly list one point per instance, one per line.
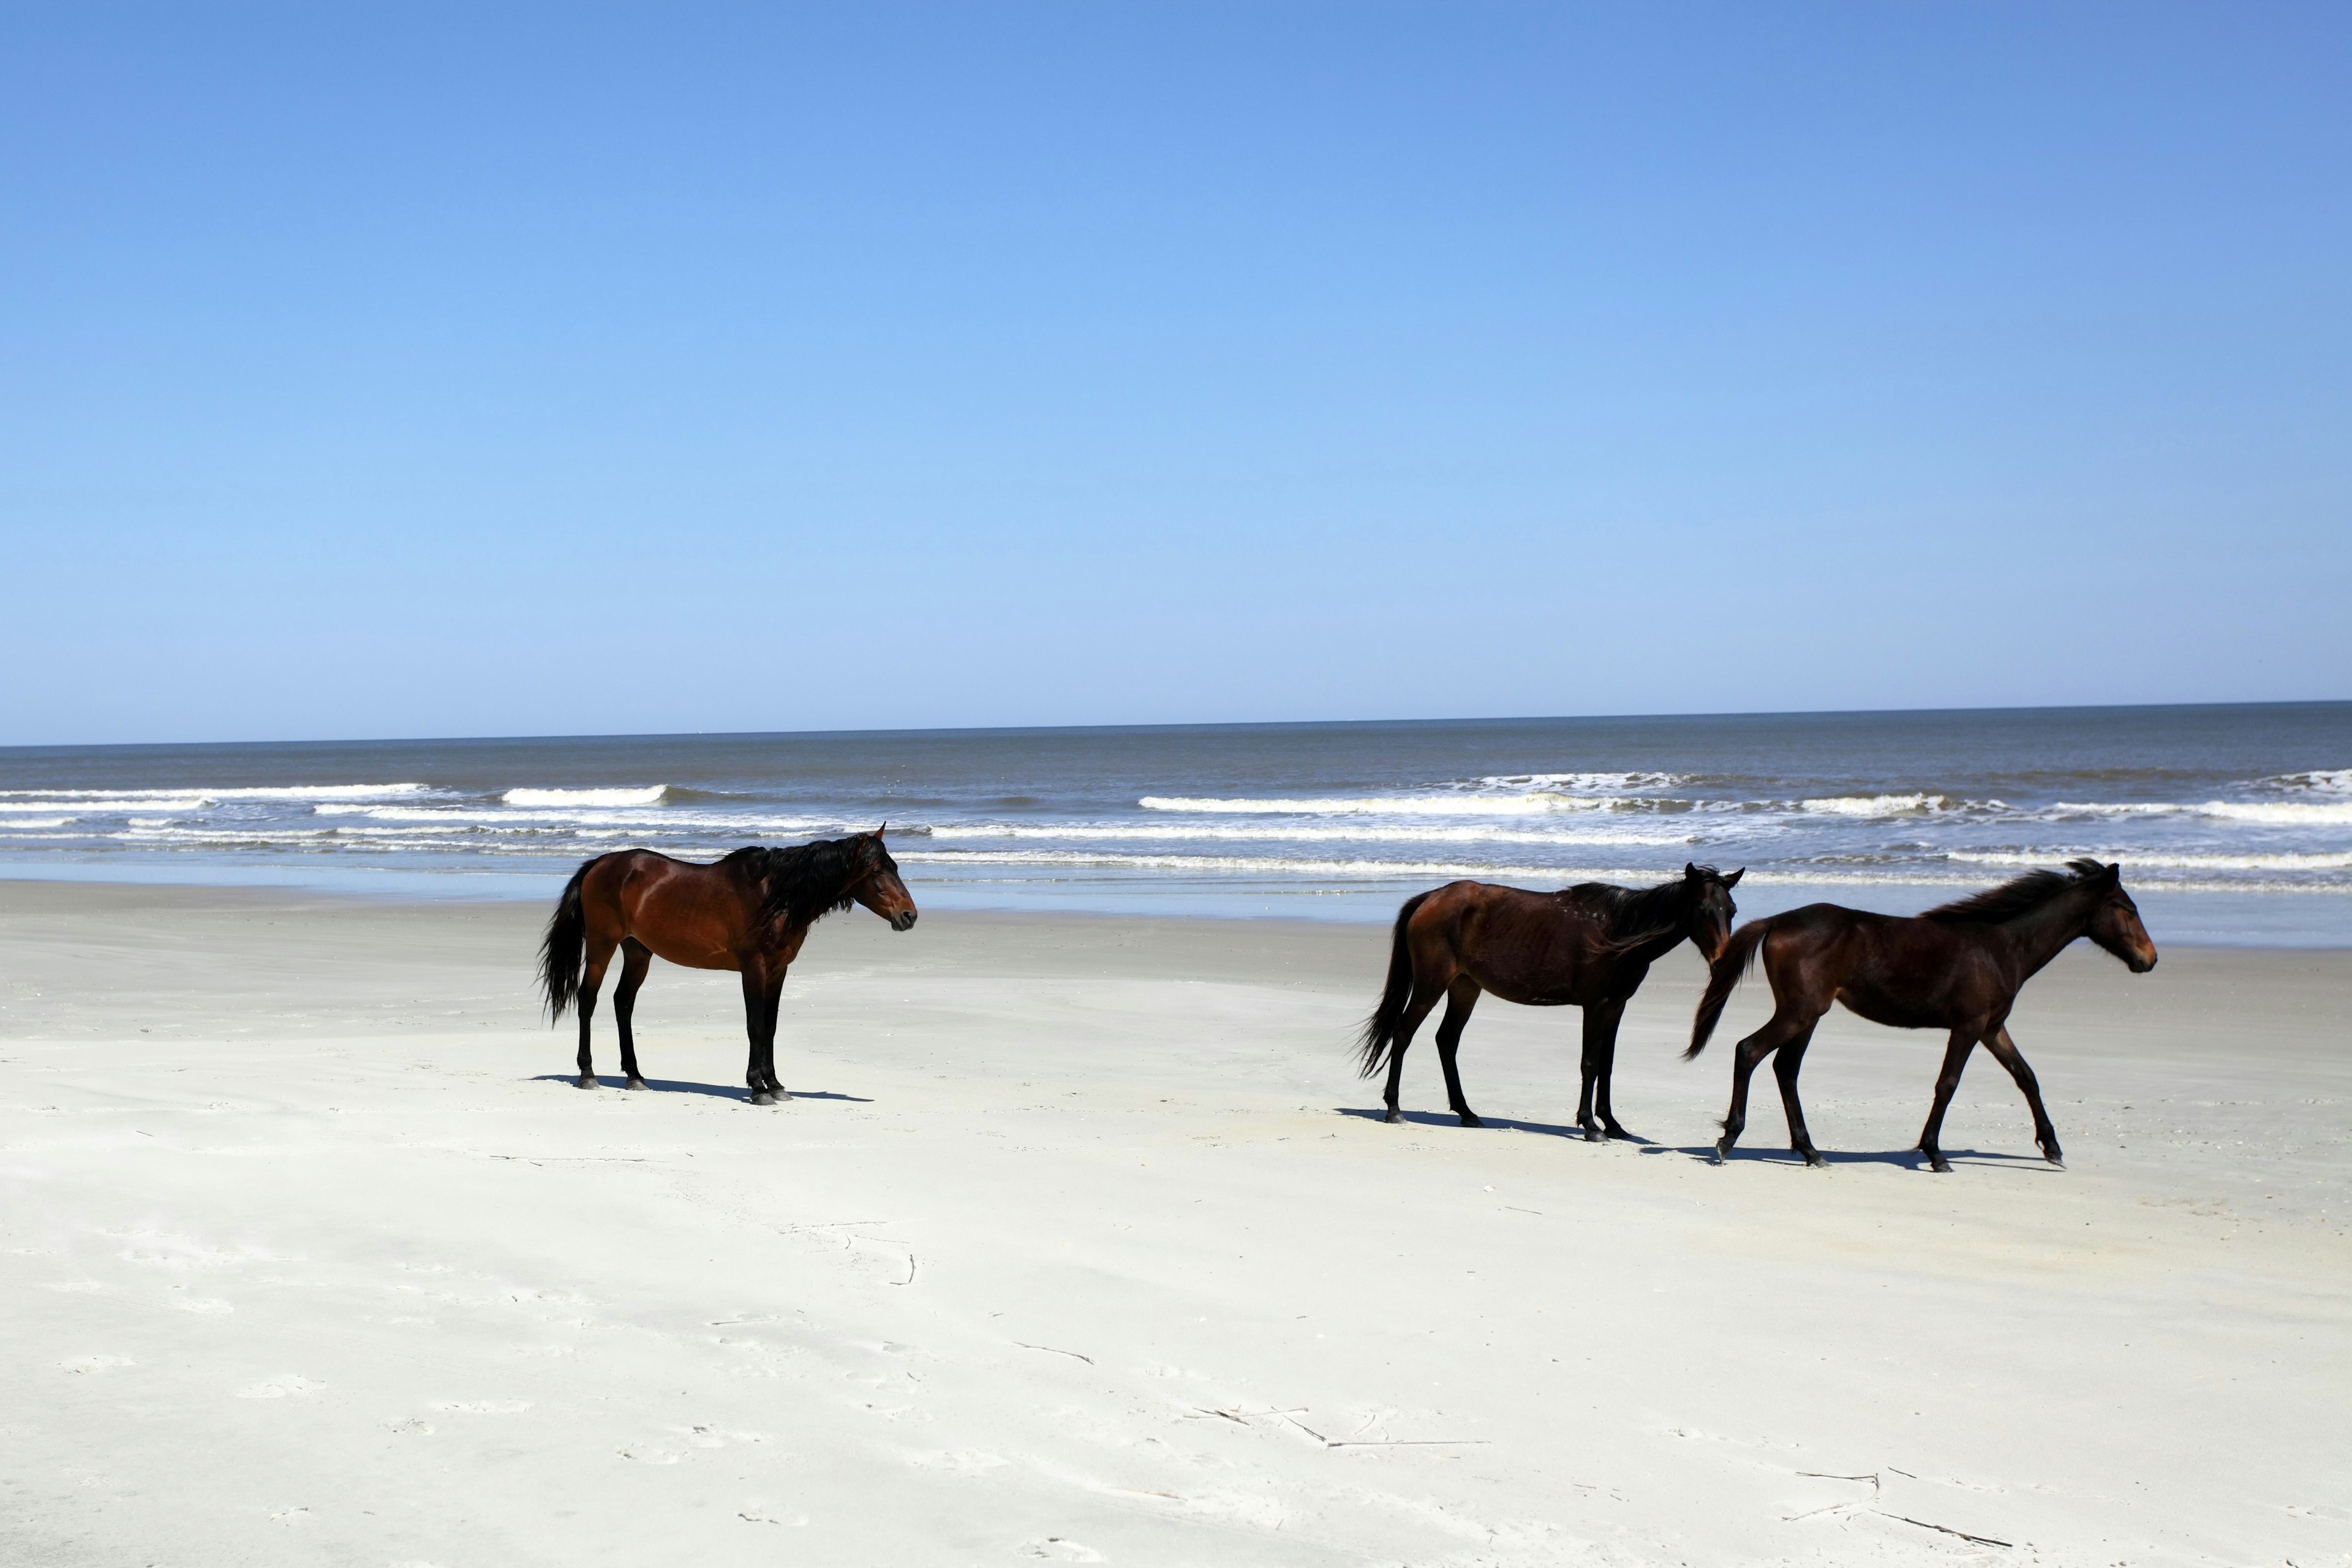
(1710, 909)
(2115, 922)
(878, 886)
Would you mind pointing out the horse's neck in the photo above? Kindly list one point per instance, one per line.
(2039, 935)
(1670, 920)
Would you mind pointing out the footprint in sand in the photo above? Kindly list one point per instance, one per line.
(210, 1306)
(410, 1427)
(279, 1388)
(88, 1364)
(1060, 1549)
(484, 1407)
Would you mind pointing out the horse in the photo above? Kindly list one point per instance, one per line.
(1588, 946)
(748, 913)
(1957, 967)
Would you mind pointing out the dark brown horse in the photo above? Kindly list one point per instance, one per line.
(1588, 946)
(748, 913)
(1957, 967)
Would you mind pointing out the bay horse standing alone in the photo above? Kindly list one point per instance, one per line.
(1588, 946)
(748, 913)
(1957, 967)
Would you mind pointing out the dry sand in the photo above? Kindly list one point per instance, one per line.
(1079, 1245)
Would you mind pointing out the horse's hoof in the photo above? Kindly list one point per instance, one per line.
(1939, 1165)
(637, 1083)
(1814, 1159)
(761, 1096)
(1394, 1115)
(1470, 1120)
(586, 1080)
(1618, 1132)
(2055, 1161)
(1717, 1157)
(1595, 1135)
(781, 1098)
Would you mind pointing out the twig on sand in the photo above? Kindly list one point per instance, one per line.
(1413, 1442)
(1049, 1350)
(1825, 1475)
(829, 1225)
(1375, 1442)
(1946, 1529)
(909, 1280)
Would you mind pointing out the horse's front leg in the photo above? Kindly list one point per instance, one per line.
(768, 1050)
(758, 1026)
(2004, 1052)
(1608, 1016)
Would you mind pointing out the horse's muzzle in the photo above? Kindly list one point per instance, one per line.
(903, 921)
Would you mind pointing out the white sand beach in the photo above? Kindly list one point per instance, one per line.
(1079, 1243)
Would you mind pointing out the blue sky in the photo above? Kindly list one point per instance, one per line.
(404, 369)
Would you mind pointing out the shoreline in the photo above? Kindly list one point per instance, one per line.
(2237, 922)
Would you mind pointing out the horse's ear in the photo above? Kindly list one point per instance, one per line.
(881, 830)
(2116, 873)
(1733, 880)
(1690, 870)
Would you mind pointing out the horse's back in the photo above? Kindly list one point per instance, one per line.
(689, 913)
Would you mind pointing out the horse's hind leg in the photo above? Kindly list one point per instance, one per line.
(1955, 1061)
(1425, 998)
(592, 980)
(1779, 1030)
(635, 959)
(1460, 998)
(1785, 1067)
(2004, 1052)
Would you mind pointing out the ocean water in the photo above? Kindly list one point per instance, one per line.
(2233, 824)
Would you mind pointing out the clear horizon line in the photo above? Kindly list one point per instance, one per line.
(1191, 725)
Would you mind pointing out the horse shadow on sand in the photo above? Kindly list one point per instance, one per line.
(1446, 1119)
(1910, 1159)
(684, 1086)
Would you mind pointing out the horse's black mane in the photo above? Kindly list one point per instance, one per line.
(802, 884)
(1639, 915)
(2014, 898)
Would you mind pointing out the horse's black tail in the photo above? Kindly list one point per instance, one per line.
(1380, 1029)
(1723, 978)
(561, 954)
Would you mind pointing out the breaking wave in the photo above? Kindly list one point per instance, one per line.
(651, 794)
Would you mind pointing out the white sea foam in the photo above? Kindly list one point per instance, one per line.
(1262, 865)
(2274, 813)
(2135, 858)
(1278, 867)
(1578, 784)
(1459, 805)
(650, 795)
(1292, 833)
(1888, 804)
(2320, 781)
(18, 823)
